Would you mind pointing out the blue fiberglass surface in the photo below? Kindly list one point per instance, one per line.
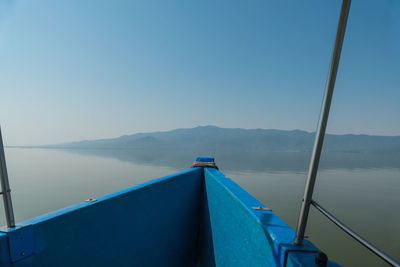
(205, 159)
(197, 217)
(243, 236)
(153, 224)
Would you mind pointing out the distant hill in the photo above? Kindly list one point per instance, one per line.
(241, 149)
(210, 139)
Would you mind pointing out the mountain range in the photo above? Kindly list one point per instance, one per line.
(241, 149)
(212, 138)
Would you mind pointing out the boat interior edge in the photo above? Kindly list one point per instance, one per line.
(197, 217)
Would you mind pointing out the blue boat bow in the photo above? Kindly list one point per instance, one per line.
(197, 217)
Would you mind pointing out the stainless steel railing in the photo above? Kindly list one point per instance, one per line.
(319, 138)
(5, 187)
(356, 236)
(316, 153)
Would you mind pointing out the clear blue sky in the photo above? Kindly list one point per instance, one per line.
(72, 70)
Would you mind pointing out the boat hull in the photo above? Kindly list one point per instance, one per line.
(197, 217)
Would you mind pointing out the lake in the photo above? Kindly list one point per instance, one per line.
(364, 198)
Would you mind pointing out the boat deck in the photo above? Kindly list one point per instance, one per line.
(197, 217)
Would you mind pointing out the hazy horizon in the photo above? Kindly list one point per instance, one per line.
(199, 126)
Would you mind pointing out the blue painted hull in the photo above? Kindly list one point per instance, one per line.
(197, 217)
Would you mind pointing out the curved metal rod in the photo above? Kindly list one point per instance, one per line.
(323, 120)
(356, 236)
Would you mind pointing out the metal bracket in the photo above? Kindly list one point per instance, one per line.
(262, 208)
(20, 241)
(9, 190)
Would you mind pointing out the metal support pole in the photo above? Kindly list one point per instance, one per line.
(5, 187)
(319, 138)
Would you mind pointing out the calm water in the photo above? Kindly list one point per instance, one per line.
(366, 199)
